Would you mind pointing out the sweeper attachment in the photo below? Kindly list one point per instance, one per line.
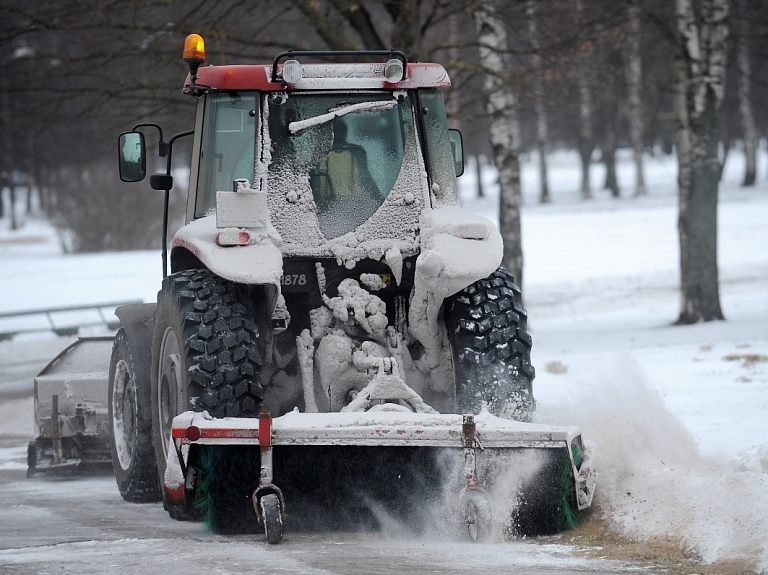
(524, 478)
(335, 338)
(71, 416)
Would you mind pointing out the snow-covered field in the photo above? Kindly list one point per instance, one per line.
(678, 412)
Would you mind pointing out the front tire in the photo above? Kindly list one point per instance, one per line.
(133, 458)
(487, 327)
(204, 356)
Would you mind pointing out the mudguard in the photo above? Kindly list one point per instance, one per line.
(457, 249)
(258, 263)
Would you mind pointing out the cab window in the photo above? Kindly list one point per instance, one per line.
(228, 145)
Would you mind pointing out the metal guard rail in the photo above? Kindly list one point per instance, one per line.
(69, 329)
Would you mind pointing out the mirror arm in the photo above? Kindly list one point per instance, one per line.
(164, 148)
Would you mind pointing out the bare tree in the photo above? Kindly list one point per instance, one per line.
(9, 159)
(749, 132)
(699, 74)
(586, 136)
(608, 150)
(501, 106)
(634, 73)
(538, 99)
(95, 215)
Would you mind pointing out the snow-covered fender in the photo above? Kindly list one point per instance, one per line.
(260, 262)
(457, 249)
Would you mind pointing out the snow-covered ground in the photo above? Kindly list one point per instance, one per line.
(678, 412)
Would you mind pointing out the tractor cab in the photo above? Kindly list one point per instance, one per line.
(333, 146)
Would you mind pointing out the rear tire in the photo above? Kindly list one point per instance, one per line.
(204, 356)
(130, 435)
(487, 327)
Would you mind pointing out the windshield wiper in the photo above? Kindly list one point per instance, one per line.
(376, 106)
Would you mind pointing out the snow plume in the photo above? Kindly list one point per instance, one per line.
(430, 507)
(653, 482)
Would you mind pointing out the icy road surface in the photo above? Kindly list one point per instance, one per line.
(83, 526)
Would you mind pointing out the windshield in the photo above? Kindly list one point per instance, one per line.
(348, 147)
(331, 164)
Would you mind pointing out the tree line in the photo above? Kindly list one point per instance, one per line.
(590, 75)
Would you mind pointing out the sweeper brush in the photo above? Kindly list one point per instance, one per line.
(339, 471)
(335, 343)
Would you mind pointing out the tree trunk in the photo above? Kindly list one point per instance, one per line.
(479, 169)
(745, 103)
(609, 159)
(32, 183)
(634, 70)
(586, 137)
(543, 171)
(452, 99)
(699, 86)
(12, 202)
(501, 106)
(10, 157)
(538, 101)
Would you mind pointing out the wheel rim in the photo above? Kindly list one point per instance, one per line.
(171, 385)
(124, 414)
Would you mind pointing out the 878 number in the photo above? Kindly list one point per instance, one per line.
(290, 280)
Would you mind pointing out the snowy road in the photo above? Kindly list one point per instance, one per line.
(81, 525)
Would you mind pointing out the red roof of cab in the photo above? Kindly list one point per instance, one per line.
(320, 77)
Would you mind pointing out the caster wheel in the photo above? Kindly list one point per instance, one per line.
(272, 512)
(477, 516)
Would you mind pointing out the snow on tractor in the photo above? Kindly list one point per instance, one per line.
(335, 334)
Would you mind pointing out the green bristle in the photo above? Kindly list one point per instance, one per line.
(203, 502)
(229, 475)
(571, 515)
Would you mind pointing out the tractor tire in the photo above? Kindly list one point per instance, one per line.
(487, 328)
(204, 356)
(130, 434)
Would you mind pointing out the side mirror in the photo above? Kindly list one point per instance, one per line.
(132, 156)
(457, 148)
